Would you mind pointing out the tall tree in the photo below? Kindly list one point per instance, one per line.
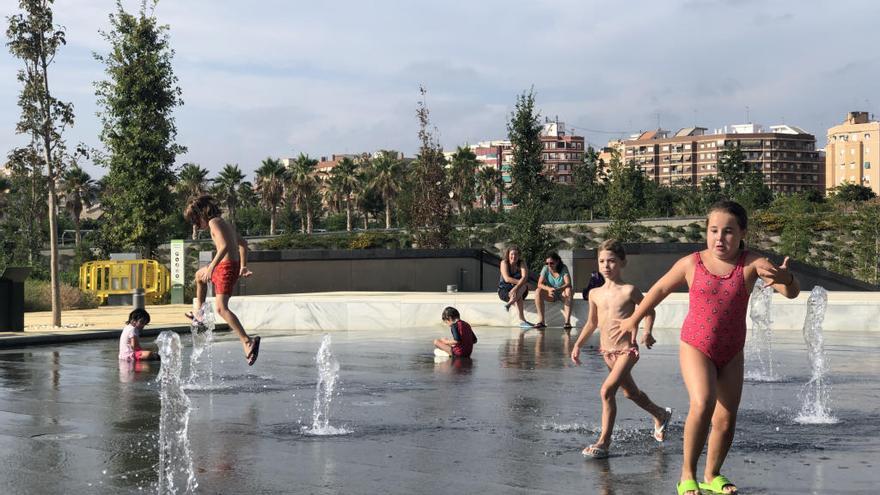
(228, 187)
(740, 180)
(428, 217)
(589, 181)
(26, 207)
(346, 181)
(34, 39)
(387, 179)
(137, 101)
(626, 195)
(463, 178)
(490, 181)
(192, 182)
(270, 180)
(79, 192)
(530, 188)
(304, 187)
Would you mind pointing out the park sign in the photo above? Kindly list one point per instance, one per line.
(178, 264)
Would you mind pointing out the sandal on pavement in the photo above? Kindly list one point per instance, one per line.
(717, 485)
(659, 431)
(688, 486)
(595, 452)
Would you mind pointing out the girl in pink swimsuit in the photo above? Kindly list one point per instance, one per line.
(712, 336)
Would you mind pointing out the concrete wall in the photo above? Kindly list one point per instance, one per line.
(411, 270)
(647, 262)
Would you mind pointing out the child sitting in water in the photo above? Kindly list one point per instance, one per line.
(129, 341)
(713, 334)
(608, 304)
(463, 338)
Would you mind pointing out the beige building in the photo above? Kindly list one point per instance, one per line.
(786, 155)
(853, 152)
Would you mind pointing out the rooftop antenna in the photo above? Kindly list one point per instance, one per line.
(748, 116)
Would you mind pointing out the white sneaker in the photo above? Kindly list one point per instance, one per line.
(441, 353)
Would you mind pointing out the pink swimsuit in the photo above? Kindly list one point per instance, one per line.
(716, 321)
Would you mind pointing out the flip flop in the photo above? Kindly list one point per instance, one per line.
(717, 485)
(594, 452)
(255, 351)
(508, 305)
(525, 325)
(540, 325)
(658, 432)
(190, 315)
(688, 486)
(567, 326)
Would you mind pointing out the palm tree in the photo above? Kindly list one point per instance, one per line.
(490, 182)
(345, 182)
(463, 170)
(79, 191)
(270, 179)
(192, 182)
(228, 188)
(304, 187)
(387, 178)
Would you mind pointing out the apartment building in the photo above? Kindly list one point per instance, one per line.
(852, 153)
(785, 154)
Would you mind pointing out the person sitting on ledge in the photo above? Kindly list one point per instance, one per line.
(513, 286)
(554, 284)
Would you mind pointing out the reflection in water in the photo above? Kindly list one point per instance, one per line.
(457, 365)
(535, 349)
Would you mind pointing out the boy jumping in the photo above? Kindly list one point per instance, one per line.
(225, 269)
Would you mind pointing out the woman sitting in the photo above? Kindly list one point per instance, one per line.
(513, 286)
(554, 284)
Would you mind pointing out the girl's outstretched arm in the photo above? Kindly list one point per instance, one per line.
(589, 328)
(676, 276)
(778, 277)
(647, 339)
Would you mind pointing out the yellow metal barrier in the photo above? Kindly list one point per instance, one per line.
(108, 277)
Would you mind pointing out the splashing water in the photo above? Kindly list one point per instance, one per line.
(328, 374)
(176, 474)
(759, 347)
(815, 408)
(201, 361)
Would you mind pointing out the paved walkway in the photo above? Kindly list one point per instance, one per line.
(101, 323)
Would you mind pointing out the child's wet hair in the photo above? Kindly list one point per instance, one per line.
(614, 246)
(732, 208)
(450, 314)
(139, 315)
(204, 207)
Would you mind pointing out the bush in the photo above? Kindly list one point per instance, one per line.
(38, 297)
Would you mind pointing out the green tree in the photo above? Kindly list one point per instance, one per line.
(626, 195)
(741, 181)
(589, 181)
(849, 192)
(867, 242)
(463, 178)
(530, 189)
(490, 182)
(710, 192)
(137, 101)
(228, 187)
(387, 179)
(192, 182)
(79, 192)
(305, 188)
(345, 182)
(270, 179)
(34, 39)
(428, 218)
(26, 207)
(797, 234)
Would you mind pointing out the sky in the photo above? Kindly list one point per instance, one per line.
(274, 78)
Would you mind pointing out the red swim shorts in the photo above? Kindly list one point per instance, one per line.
(224, 276)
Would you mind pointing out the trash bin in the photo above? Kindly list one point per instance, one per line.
(12, 298)
(137, 299)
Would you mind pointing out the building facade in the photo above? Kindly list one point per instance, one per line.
(786, 155)
(852, 154)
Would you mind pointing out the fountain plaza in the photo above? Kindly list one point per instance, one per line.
(372, 411)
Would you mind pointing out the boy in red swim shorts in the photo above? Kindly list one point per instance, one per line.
(225, 269)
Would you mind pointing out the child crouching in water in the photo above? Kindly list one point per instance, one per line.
(463, 338)
(609, 304)
(713, 334)
(129, 341)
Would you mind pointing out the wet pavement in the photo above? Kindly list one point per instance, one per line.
(511, 420)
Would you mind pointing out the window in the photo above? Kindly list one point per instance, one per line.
(666, 147)
(867, 165)
(702, 145)
(687, 146)
(867, 136)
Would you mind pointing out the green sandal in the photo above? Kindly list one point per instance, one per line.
(717, 485)
(688, 486)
